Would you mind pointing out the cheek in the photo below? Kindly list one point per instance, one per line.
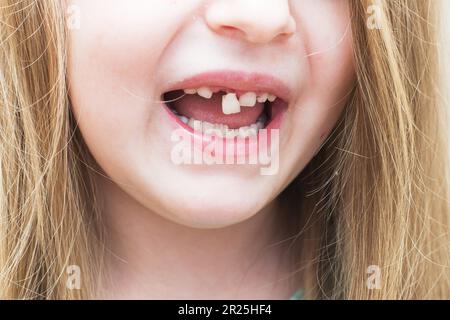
(332, 82)
(325, 28)
(331, 79)
(112, 59)
(332, 76)
(126, 38)
(113, 48)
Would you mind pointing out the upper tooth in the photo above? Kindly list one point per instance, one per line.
(263, 98)
(190, 91)
(248, 99)
(230, 104)
(272, 98)
(205, 92)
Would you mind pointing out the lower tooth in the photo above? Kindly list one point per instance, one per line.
(244, 132)
(195, 124)
(184, 119)
(198, 126)
(214, 132)
(219, 133)
(232, 133)
(221, 130)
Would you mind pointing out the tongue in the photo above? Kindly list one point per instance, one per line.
(210, 110)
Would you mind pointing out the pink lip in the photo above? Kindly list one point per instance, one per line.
(237, 82)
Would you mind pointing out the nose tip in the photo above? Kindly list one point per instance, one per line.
(254, 20)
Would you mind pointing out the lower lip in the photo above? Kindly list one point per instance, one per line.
(233, 146)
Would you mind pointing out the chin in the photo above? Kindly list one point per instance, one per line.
(212, 210)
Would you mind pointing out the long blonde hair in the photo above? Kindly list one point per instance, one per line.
(375, 196)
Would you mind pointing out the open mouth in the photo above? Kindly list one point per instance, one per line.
(224, 112)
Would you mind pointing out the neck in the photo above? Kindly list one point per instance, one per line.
(150, 257)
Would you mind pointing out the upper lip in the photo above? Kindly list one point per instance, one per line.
(237, 81)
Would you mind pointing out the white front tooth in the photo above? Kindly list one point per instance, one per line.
(263, 98)
(190, 91)
(248, 99)
(184, 119)
(272, 98)
(205, 92)
(230, 104)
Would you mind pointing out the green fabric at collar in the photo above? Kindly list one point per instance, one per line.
(298, 295)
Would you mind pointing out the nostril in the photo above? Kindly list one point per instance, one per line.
(230, 28)
(231, 31)
(258, 32)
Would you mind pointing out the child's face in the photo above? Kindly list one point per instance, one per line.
(128, 53)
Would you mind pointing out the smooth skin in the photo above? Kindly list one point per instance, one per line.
(200, 231)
